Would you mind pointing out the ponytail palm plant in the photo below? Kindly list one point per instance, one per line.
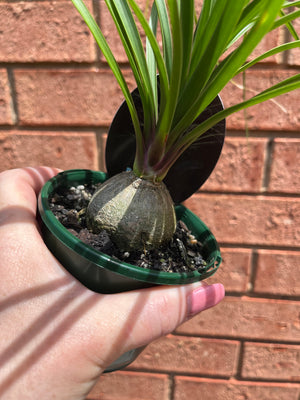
(198, 56)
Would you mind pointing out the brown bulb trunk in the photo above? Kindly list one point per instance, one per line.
(137, 213)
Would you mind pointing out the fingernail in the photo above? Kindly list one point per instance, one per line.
(204, 297)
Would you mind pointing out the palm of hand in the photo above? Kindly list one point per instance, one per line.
(56, 335)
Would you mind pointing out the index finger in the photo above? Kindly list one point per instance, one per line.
(20, 187)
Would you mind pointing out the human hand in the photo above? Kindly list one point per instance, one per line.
(56, 336)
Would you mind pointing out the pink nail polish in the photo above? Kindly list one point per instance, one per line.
(204, 297)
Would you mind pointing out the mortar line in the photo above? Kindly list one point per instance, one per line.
(253, 271)
(13, 97)
(238, 374)
(267, 165)
(171, 393)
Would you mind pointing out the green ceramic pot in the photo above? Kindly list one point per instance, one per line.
(101, 273)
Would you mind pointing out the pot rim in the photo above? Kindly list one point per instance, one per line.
(78, 176)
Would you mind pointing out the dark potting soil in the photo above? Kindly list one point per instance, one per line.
(183, 253)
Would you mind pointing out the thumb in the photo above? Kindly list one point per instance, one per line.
(162, 310)
(137, 318)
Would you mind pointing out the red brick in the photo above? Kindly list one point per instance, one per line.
(234, 271)
(7, 116)
(259, 220)
(248, 318)
(215, 389)
(190, 355)
(271, 361)
(244, 155)
(131, 386)
(282, 113)
(58, 149)
(44, 31)
(278, 273)
(66, 97)
(285, 172)
(198, 6)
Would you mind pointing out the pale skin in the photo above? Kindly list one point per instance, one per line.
(56, 336)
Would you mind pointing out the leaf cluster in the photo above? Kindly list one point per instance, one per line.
(199, 55)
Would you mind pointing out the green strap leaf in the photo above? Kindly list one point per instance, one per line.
(286, 19)
(227, 68)
(269, 53)
(150, 57)
(288, 4)
(102, 43)
(166, 34)
(133, 46)
(285, 86)
(164, 80)
(247, 20)
(292, 30)
(205, 30)
(187, 28)
(166, 114)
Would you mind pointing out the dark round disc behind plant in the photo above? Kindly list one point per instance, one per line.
(191, 169)
(182, 254)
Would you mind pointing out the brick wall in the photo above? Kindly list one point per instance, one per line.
(57, 98)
